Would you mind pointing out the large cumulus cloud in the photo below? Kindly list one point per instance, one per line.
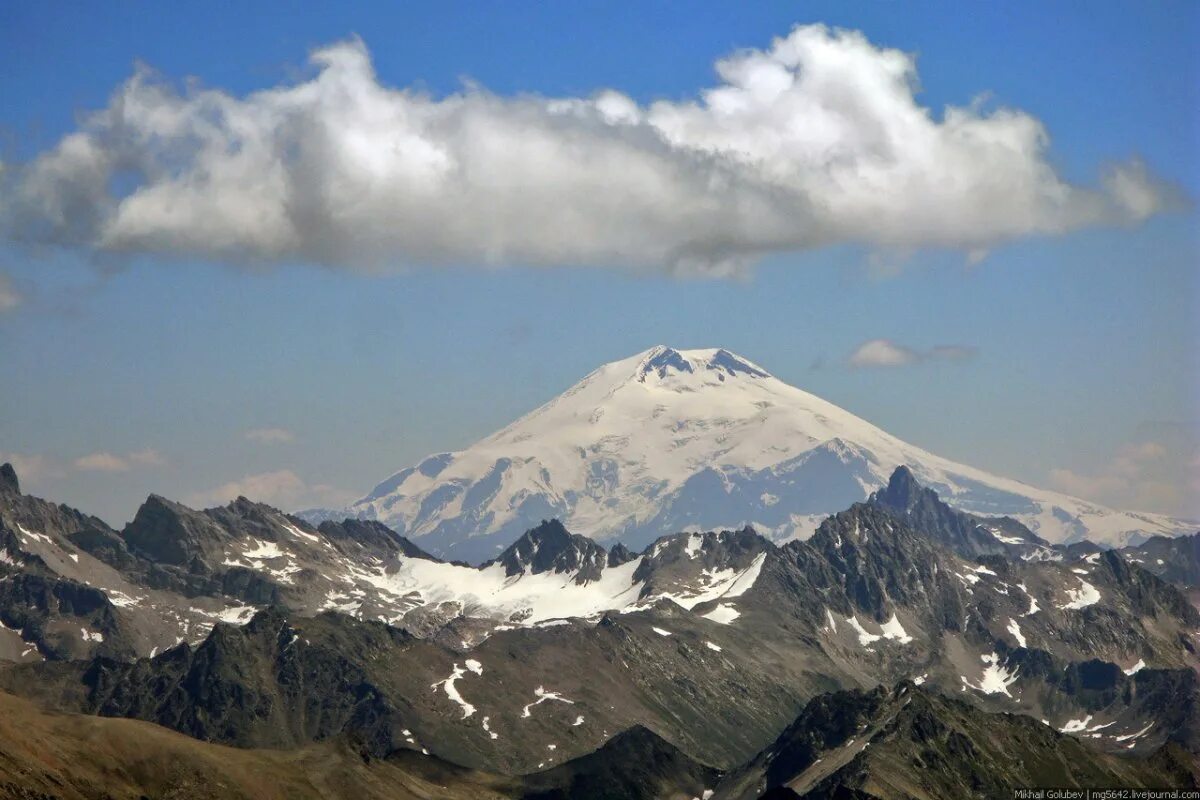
(818, 139)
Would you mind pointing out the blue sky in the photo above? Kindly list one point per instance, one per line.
(1083, 340)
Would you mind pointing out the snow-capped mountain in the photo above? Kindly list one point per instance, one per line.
(671, 440)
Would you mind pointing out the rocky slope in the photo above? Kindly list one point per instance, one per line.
(76, 757)
(714, 641)
(1176, 560)
(906, 742)
(902, 742)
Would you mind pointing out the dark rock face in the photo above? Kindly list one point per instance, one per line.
(173, 534)
(61, 618)
(255, 686)
(8, 480)
(620, 554)
(672, 556)
(1176, 560)
(886, 742)
(966, 534)
(550, 547)
(374, 537)
(637, 764)
(878, 562)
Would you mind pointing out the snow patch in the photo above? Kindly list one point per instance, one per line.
(1015, 630)
(892, 629)
(1133, 736)
(542, 697)
(1082, 597)
(723, 614)
(451, 690)
(996, 679)
(1076, 725)
(864, 637)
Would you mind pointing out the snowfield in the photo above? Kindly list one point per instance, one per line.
(530, 598)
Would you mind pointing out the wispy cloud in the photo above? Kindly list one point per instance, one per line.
(1146, 474)
(104, 461)
(270, 435)
(887, 353)
(283, 489)
(817, 139)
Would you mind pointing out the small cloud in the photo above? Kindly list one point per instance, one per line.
(270, 435)
(1145, 474)
(30, 466)
(282, 489)
(882, 353)
(887, 353)
(102, 462)
(9, 297)
(109, 462)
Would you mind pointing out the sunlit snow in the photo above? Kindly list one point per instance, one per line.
(996, 679)
(1082, 597)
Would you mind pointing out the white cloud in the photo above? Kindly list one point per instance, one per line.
(882, 353)
(283, 489)
(270, 435)
(817, 139)
(1148, 475)
(102, 462)
(9, 297)
(30, 466)
(108, 462)
(887, 353)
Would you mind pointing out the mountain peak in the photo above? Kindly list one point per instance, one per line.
(8, 479)
(662, 362)
(902, 490)
(966, 534)
(550, 547)
(671, 439)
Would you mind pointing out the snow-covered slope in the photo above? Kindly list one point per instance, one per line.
(671, 440)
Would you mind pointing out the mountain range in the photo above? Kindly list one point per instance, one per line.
(670, 440)
(892, 652)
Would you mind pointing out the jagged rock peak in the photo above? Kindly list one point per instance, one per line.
(170, 532)
(370, 533)
(620, 554)
(902, 492)
(8, 480)
(550, 547)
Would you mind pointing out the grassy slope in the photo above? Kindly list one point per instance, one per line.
(73, 756)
